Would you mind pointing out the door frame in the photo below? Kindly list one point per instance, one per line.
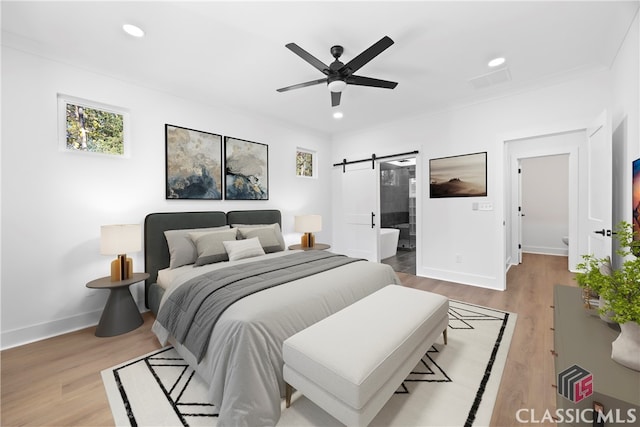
(527, 150)
(417, 156)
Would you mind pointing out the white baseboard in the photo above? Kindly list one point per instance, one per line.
(33, 333)
(41, 331)
(477, 280)
(545, 250)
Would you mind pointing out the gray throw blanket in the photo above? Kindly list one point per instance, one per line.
(191, 311)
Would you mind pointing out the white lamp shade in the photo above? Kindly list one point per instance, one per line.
(308, 223)
(119, 239)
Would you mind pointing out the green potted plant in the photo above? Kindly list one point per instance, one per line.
(619, 291)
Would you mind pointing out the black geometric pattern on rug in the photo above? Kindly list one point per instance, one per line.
(426, 371)
(175, 385)
(460, 317)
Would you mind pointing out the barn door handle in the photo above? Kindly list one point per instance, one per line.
(373, 224)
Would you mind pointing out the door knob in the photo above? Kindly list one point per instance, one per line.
(604, 232)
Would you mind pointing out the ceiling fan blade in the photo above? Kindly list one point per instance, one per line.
(299, 85)
(368, 81)
(359, 61)
(335, 98)
(319, 65)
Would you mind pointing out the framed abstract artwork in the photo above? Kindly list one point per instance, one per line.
(458, 176)
(92, 127)
(193, 164)
(306, 163)
(246, 170)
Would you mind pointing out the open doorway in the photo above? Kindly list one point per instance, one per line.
(544, 215)
(563, 148)
(398, 242)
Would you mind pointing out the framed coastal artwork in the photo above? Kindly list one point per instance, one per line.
(193, 164)
(246, 169)
(458, 176)
(92, 127)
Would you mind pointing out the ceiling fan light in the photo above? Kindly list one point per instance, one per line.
(133, 30)
(337, 85)
(496, 62)
(338, 115)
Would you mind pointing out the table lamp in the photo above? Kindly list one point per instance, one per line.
(308, 224)
(118, 239)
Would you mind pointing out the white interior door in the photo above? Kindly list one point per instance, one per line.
(360, 210)
(597, 220)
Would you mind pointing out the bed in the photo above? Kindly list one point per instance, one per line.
(241, 360)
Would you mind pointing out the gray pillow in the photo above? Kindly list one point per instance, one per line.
(270, 235)
(209, 245)
(182, 250)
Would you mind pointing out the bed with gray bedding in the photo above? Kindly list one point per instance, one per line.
(240, 354)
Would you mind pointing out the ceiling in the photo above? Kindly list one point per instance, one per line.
(232, 54)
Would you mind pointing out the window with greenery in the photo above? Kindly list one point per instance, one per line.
(92, 128)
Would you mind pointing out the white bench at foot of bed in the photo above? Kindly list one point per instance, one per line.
(352, 362)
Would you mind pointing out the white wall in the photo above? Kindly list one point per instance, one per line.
(625, 115)
(450, 231)
(545, 204)
(54, 202)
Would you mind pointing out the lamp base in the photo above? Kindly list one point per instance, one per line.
(121, 268)
(308, 240)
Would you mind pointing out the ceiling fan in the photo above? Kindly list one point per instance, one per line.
(340, 75)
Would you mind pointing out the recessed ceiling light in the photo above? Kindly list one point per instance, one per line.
(495, 62)
(338, 115)
(133, 30)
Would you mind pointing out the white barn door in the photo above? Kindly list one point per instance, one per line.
(360, 210)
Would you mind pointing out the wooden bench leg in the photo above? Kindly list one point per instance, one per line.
(444, 335)
(287, 394)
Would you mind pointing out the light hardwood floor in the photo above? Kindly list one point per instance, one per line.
(57, 381)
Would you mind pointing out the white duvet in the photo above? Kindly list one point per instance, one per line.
(243, 363)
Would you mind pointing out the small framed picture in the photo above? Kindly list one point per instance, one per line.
(194, 164)
(91, 127)
(306, 163)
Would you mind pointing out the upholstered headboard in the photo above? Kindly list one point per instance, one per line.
(156, 250)
(266, 216)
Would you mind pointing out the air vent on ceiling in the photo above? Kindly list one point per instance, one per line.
(493, 78)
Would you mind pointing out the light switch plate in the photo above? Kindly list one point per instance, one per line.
(482, 206)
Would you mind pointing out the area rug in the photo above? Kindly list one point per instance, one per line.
(453, 385)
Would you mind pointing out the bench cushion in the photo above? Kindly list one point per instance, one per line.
(353, 353)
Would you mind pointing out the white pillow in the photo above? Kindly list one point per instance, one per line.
(240, 249)
(209, 245)
(182, 250)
